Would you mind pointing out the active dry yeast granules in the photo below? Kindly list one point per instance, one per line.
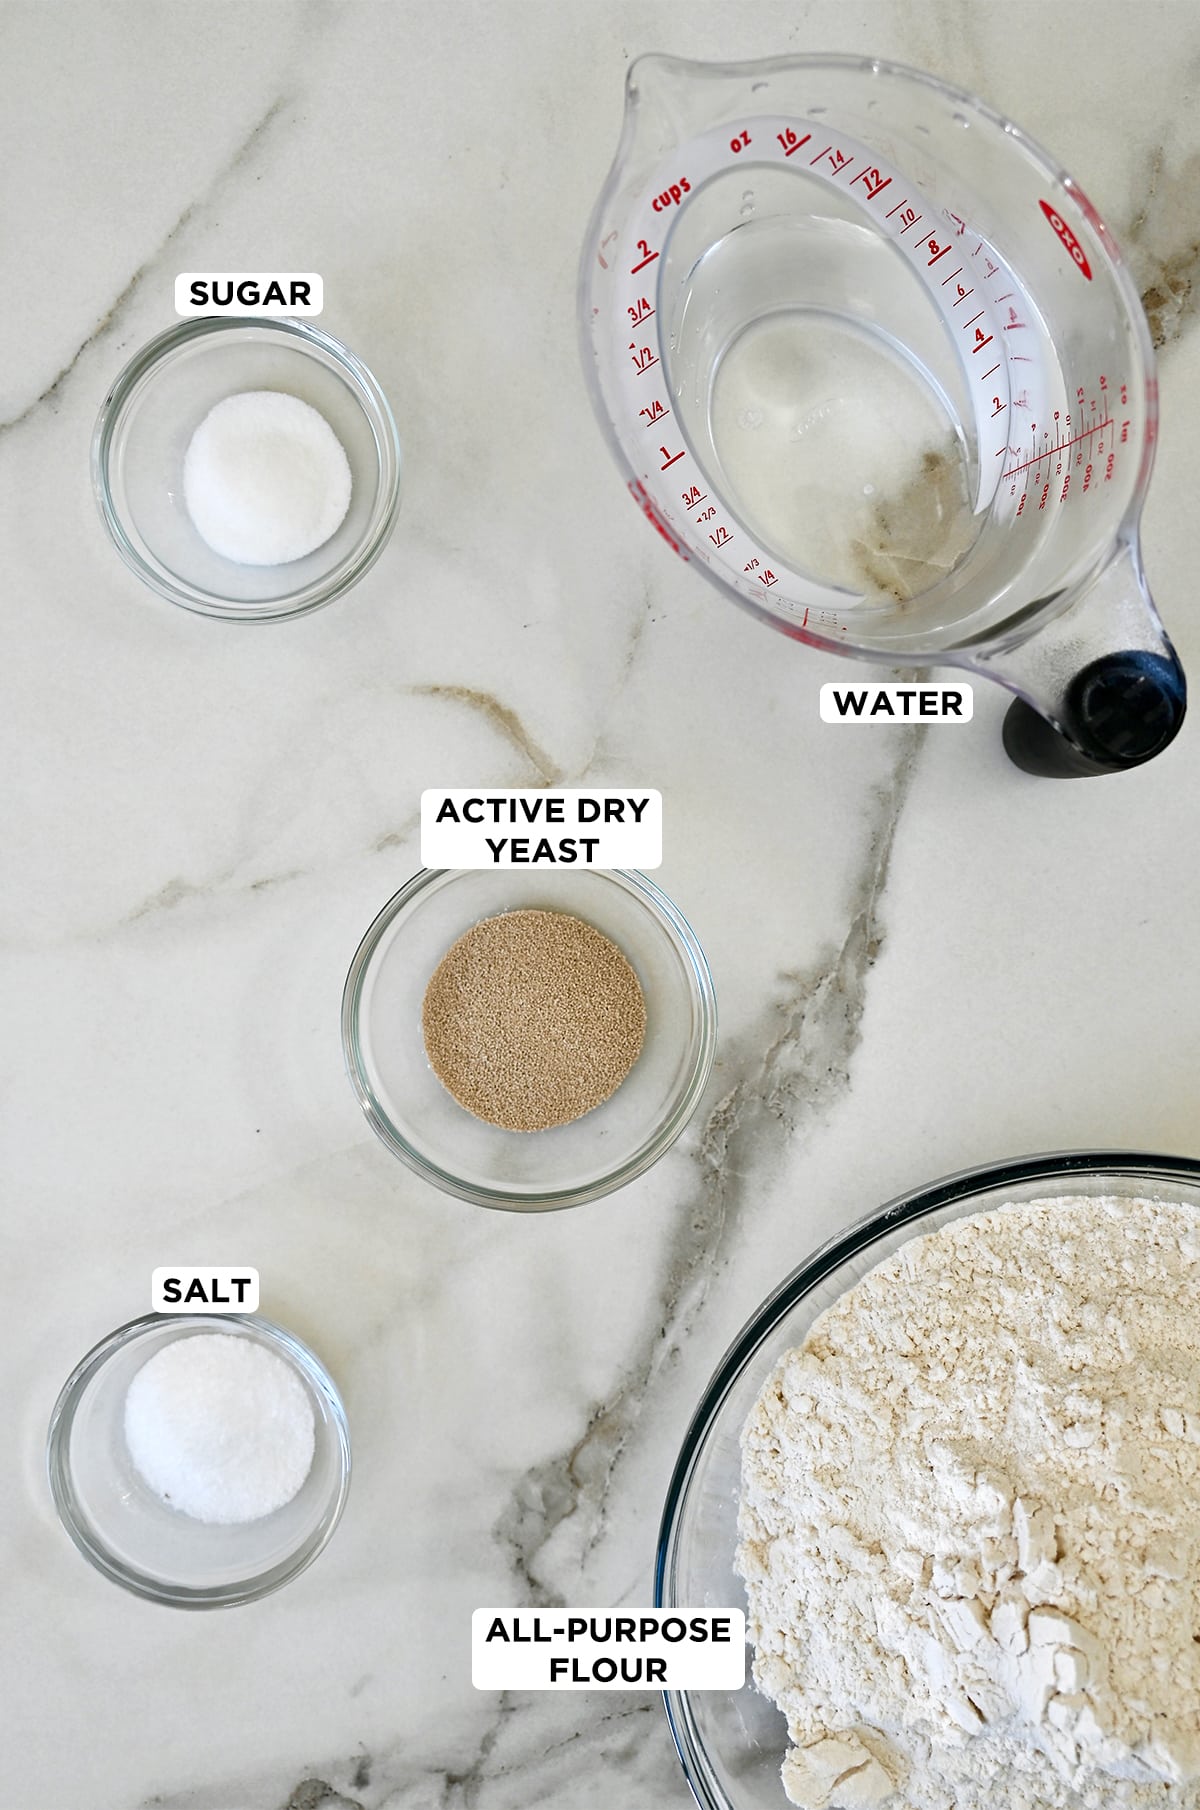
(968, 1520)
(532, 1019)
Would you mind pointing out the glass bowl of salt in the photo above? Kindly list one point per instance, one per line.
(199, 1460)
(248, 469)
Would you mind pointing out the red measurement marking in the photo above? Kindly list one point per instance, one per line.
(607, 240)
(990, 373)
(720, 537)
(648, 257)
(670, 459)
(981, 340)
(638, 493)
(910, 218)
(641, 311)
(790, 142)
(875, 182)
(973, 319)
(768, 578)
(951, 277)
(1062, 446)
(839, 160)
(896, 209)
(691, 498)
(965, 293)
(961, 225)
(804, 624)
(654, 413)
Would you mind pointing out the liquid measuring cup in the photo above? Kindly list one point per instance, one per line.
(873, 363)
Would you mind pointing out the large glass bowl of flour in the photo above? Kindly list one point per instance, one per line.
(731, 1744)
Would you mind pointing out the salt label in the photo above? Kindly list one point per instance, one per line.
(254, 292)
(541, 826)
(190, 1289)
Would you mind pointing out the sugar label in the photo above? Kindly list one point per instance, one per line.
(191, 1289)
(538, 826)
(295, 292)
(603, 1650)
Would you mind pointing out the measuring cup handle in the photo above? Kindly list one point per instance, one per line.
(1118, 712)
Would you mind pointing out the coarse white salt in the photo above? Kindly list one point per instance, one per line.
(220, 1428)
(265, 478)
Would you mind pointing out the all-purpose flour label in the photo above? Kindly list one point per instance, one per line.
(608, 1650)
(540, 826)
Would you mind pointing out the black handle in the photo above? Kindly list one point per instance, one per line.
(1121, 710)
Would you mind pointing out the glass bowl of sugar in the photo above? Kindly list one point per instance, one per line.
(199, 1460)
(248, 469)
(529, 1038)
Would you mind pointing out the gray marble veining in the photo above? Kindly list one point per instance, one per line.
(923, 959)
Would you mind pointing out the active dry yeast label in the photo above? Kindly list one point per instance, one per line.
(249, 292)
(607, 1650)
(186, 1288)
(898, 702)
(538, 826)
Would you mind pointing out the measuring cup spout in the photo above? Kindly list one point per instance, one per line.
(1099, 687)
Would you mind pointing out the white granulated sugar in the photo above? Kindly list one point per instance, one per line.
(969, 1527)
(220, 1428)
(265, 478)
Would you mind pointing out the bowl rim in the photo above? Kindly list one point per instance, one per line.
(58, 1465)
(958, 1188)
(535, 1200)
(374, 404)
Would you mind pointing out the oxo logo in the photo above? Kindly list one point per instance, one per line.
(1074, 248)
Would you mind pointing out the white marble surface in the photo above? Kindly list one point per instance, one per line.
(923, 959)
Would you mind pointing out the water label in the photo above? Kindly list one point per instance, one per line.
(295, 292)
(949, 702)
(539, 826)
(187, 1288)
(602, 1650)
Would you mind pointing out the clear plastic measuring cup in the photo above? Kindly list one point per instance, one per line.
(873, 363)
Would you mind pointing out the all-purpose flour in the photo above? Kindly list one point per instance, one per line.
(970, 1520)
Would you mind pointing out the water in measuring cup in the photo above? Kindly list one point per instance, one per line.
(842, 454)
(823, 394)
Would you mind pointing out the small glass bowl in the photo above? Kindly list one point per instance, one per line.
(147, 422)
(129, 1534)
(419, 1121)
(732, 1743)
